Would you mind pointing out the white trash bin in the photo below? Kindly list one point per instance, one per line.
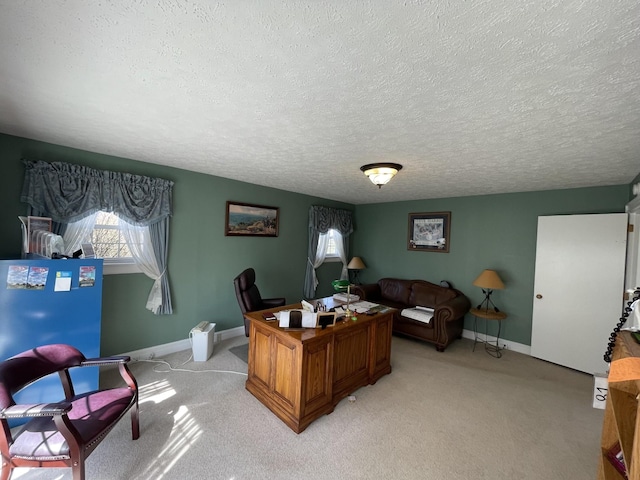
(202, 343)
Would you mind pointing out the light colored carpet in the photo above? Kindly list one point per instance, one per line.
(452, 415)
(241, 351)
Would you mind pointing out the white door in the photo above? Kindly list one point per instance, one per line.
(578, 288)
(633, 246)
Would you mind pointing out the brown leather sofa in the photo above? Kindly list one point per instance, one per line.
(449, 308)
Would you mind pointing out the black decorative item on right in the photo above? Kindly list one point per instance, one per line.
(616, 330)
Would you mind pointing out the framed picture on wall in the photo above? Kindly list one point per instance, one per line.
(245, 219)
(429, 232)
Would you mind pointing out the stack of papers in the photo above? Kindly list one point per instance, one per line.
(357, 307)
(418, 314)
(425, 309)
(342, 297)
(362, 307)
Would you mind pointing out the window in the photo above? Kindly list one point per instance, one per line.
(108, 241)
(331, 250)
(109, 244)
(109, 191)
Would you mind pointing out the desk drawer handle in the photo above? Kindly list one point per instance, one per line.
(538, 296)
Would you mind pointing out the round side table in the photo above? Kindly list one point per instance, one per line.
(492, 349)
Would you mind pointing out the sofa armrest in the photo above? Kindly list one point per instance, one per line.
(370, 291)
(452, 309)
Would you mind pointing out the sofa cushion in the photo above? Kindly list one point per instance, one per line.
(91, 414)
(426, 294)
(395, 290)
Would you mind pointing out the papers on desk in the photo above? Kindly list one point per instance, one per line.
(297, 319)
(358, 307)
(362, 307)
(306, 306)
(304, 318)
(343, 297)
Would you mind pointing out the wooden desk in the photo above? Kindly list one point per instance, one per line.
(302, 375)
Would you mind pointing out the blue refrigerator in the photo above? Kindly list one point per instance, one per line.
(45, 301)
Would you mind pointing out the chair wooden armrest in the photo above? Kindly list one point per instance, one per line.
(61, 433)
(90, 362)
(36, 410)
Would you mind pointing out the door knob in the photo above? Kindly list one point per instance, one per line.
(538, 296)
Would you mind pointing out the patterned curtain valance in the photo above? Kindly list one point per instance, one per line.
(323, 219)
(67, 193)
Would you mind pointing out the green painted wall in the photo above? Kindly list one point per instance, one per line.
(202, 261)
(492, 231)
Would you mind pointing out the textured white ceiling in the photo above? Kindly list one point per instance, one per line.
(472, 97)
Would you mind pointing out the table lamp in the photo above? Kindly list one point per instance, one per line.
(488, 281)
(356, 264)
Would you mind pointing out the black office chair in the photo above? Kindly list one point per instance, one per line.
(249, 297)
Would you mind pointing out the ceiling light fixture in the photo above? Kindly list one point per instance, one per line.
(381, 173)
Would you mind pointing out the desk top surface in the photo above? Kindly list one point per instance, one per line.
(309, 333)
(631, 347)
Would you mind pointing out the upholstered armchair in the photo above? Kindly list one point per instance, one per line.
(249, 297)
(61, 433)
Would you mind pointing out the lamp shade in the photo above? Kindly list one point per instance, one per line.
(489, 279)
(340, 285)
(356, 263)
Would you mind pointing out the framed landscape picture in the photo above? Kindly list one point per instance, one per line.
(244, 219)
(429, 232)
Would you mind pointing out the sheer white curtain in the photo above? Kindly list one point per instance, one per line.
(321, 253)
(139, 242)
(340, 250)
(77, 233)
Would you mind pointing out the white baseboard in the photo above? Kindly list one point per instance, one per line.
(506, 344)
(180, 345)
(185, 344)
